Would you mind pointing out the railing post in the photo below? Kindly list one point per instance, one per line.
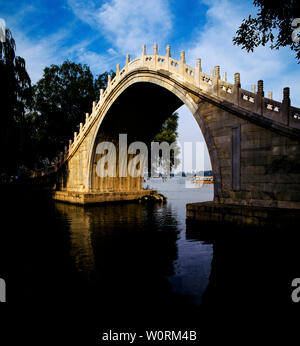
(144, 54)
(168, 51)
(216, 80)
(236, 88)
(155, 53)
(117, 72)
(182, 63)
(168, 56)
(259, 100)
(285, 107)
(127, 62)
(144, 50)
(198, 72)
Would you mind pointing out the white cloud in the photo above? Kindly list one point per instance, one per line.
(97, 62)
(54, 49)
(214, 45)
(127, 25)
(39, 53)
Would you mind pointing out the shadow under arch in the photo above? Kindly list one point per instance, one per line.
(138, 107)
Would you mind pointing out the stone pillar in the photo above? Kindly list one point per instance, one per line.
(118, 71)
(236, 88)
(168, 56)
(253, 88)
(260, 97)
(127, 62)
(270, 95)
(86, 117)
(155, 49)
(285, 107)
(144, 50)
(168, 52)
(182, 63)
(198, 72)
(224, 77)
(216, 80)
(217, 72)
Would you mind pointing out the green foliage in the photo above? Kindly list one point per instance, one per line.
(61, 98)
(15, 100)
(168, 133)
(272, 24)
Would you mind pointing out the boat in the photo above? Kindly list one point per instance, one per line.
(197, 179)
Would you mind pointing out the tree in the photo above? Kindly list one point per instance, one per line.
(273, 24)
(61, 98)
(16, 100)
(168, 133)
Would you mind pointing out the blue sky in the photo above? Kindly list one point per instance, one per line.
(101, 33)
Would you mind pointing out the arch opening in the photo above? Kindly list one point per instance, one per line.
(138, 111)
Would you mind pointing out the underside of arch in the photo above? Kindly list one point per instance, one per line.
(138, 109)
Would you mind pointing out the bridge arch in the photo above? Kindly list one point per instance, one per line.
(253, 140)
(138, 79)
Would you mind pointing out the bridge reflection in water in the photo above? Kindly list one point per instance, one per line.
(135, 259)
(72, 272)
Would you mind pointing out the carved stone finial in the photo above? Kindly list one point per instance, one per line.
(253, 89)
(198, 64)
(118, 69)
(270, 95)
(182, 56)
(127, 59)
(144, 50)
(224, 76)
(217, 71)
(155, 49)
(285, 106)
(101, 93)
(286, 93)
(168, 51)
(237, 79)
(86, 117)
(260, 87)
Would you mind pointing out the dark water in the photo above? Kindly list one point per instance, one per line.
(73, 272)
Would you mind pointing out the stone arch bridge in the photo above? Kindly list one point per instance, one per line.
(253, 140)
